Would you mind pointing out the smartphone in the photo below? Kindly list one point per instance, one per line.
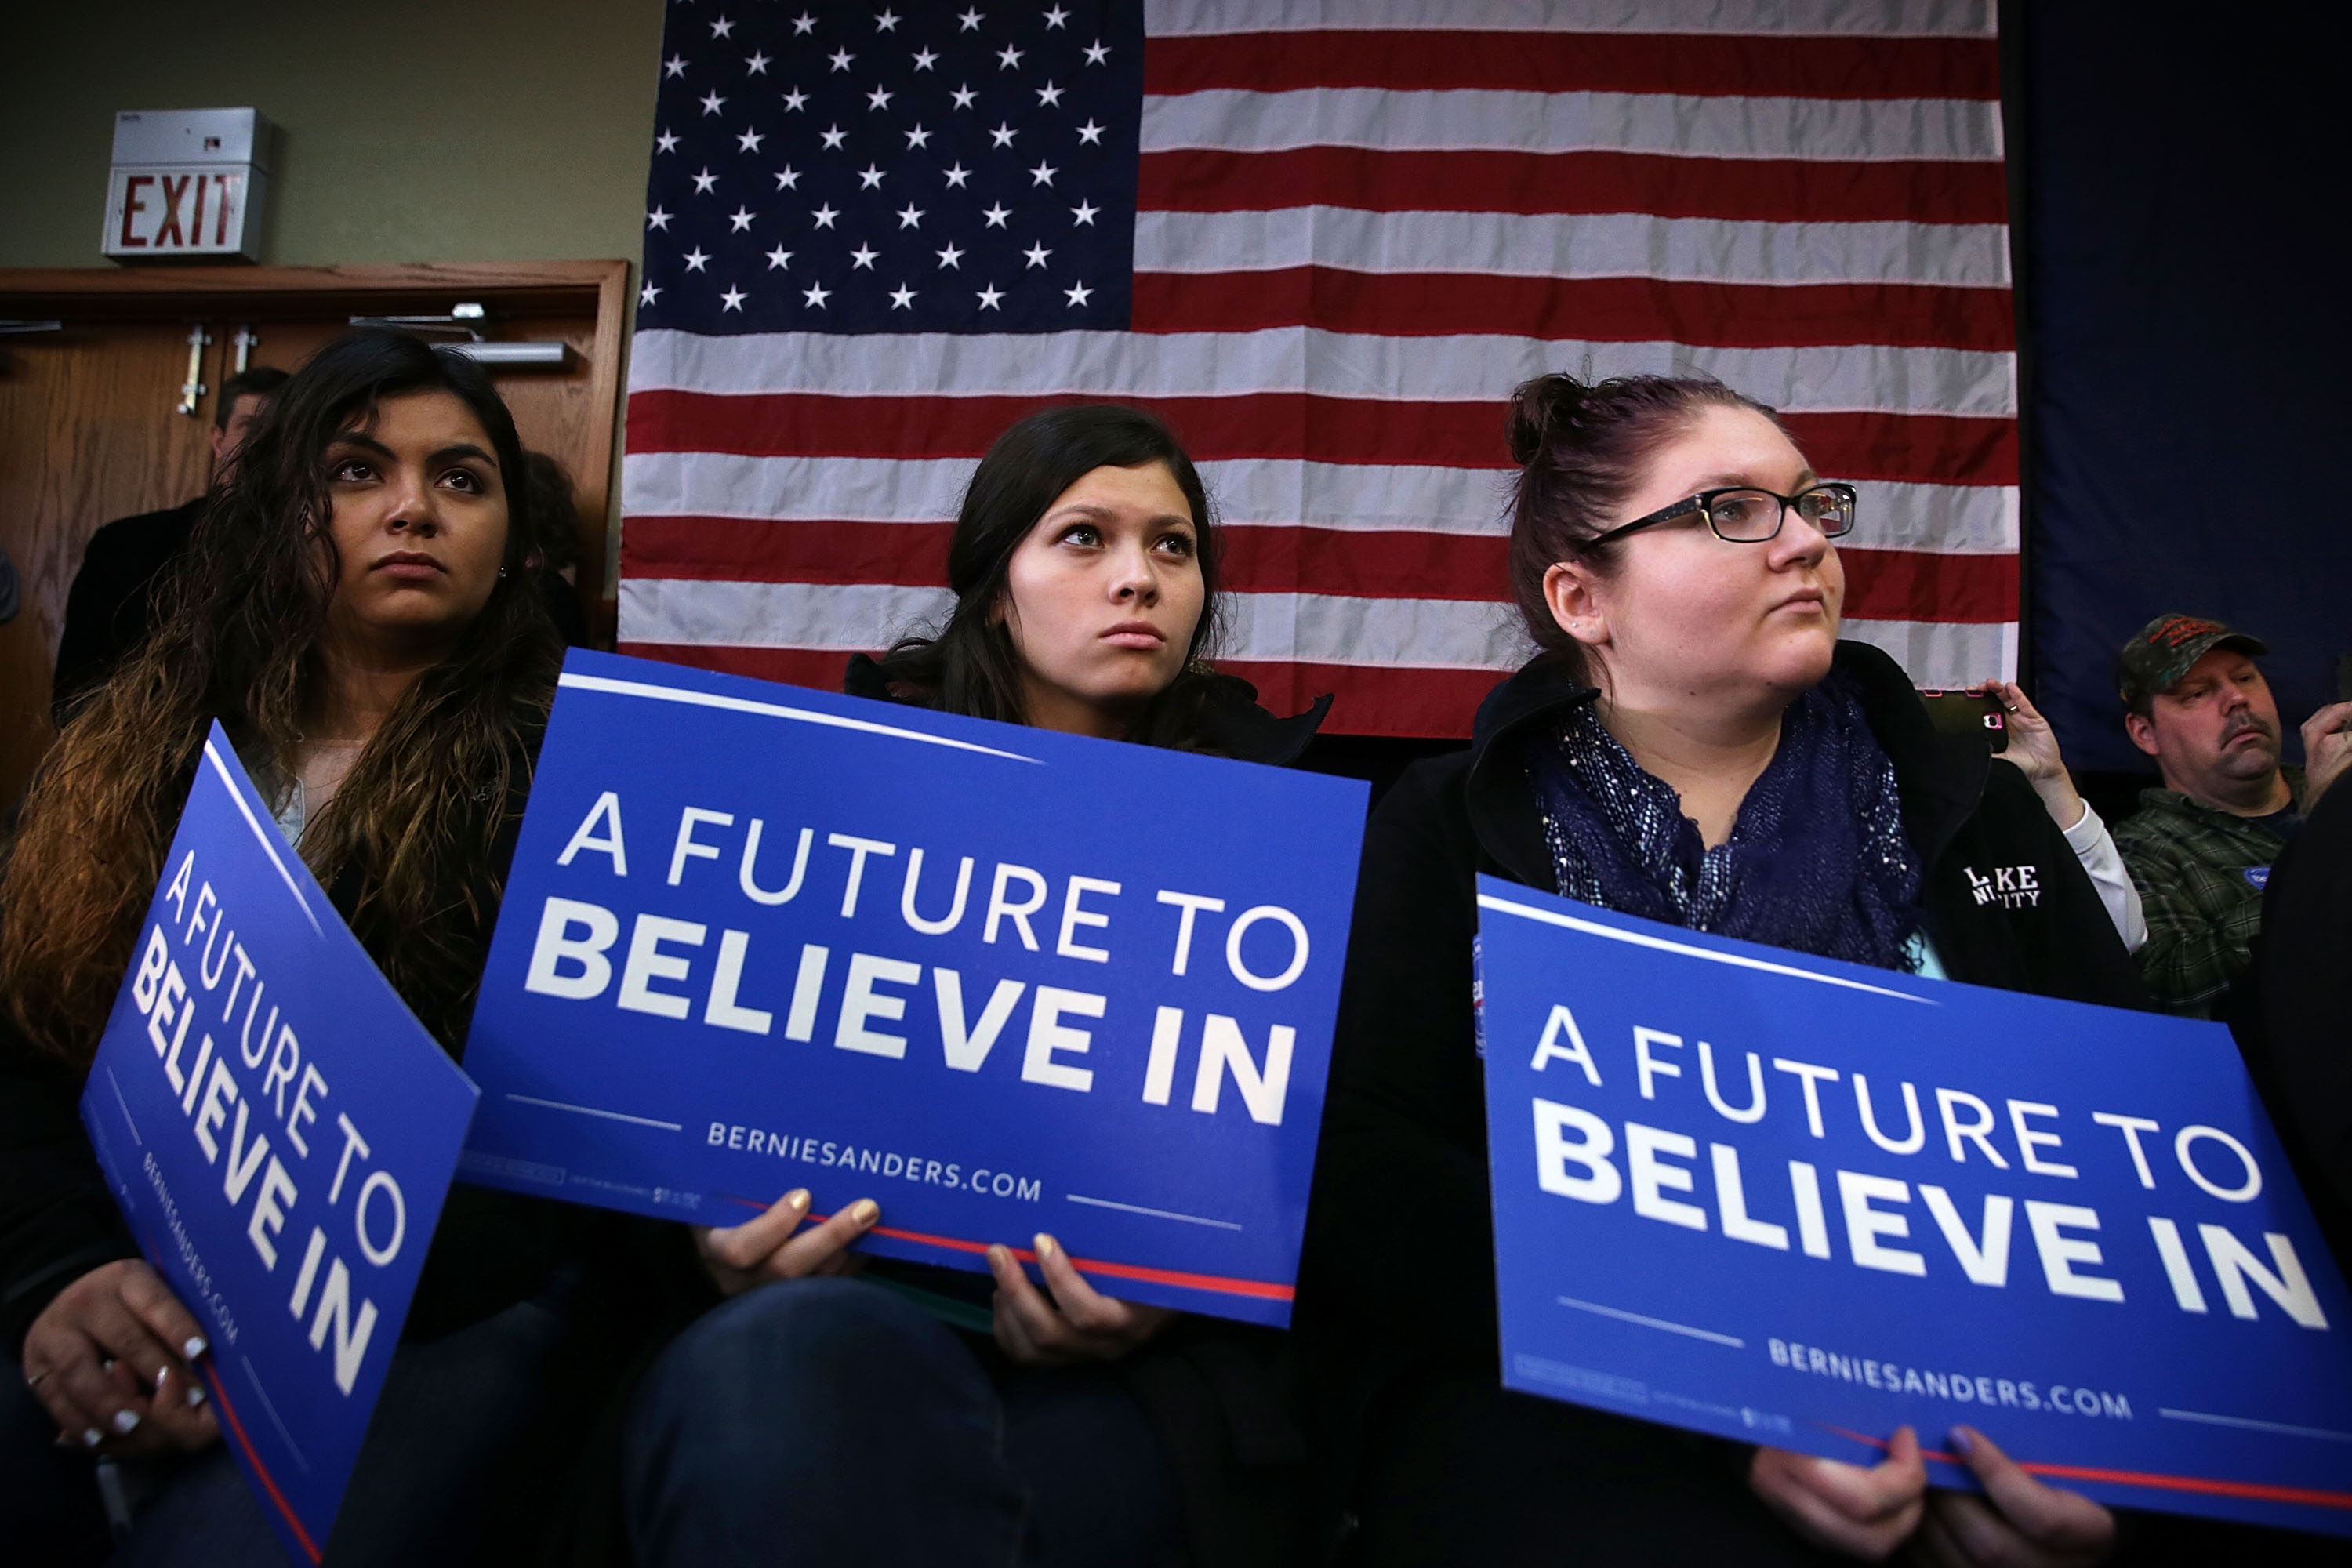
(1978, 713)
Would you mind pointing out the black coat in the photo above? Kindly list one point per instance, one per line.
(1399, 1276)
(2294, 1012)
(111, 606)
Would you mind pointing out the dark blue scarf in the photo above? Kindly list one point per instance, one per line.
(1816, 862)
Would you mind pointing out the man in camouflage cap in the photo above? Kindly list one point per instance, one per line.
(2201, 849)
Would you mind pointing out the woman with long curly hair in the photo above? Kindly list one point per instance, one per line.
(356, 610)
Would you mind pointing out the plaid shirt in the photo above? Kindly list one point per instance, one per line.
(2200, 874)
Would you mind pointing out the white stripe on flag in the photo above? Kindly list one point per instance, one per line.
(1855, 18)
(1943, 654)
(1428, 634)
(1246, 492)
(1824, 130)
(1468, 368)
(844, 616)
(1574, 245)
(1425, 634)
(1421, 634)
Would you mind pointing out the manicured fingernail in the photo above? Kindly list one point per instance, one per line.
(797, 1200)
(1045, 1245)
(998, 1256)
(865, 1211)
(195, 1397)
(91, 1437)
(1964, 1442)
(126, 1422)
(195, 1347)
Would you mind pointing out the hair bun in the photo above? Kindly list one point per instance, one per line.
(1541, 408)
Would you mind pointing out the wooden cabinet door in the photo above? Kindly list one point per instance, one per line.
(87, 433)
(90, 431)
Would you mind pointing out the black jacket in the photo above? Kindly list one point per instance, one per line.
(2294, 1016)
(1399, 1276)
(111, 606)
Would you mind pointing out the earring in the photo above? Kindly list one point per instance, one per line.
(502, 572)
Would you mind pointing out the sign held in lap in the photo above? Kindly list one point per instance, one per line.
(1803, 1202)
(279, 1131)
(1001, 980)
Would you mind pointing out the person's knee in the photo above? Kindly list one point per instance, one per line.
(795, 1337)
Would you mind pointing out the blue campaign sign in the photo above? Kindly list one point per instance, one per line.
(1803, 1202)
(1002, 981)
(279, 1131)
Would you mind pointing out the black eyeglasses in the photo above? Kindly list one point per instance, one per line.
(1745, 515)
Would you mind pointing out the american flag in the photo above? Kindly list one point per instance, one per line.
(1324, 238)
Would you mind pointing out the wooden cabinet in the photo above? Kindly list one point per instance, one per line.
(91, 426)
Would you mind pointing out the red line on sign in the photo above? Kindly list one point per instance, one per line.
(268, 1482)
(1259, 1288)
(2261, 1492)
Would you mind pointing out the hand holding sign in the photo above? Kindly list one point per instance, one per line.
(757, 938)
(2018, 1520)
(1863, 1512)
(1075, 1324)
(773, 1247)
(279, 1131)
(1805, 1204)
(111, 1360)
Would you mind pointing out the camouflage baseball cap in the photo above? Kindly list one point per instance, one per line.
(2161, 652)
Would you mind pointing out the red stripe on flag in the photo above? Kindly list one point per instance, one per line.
(1770, 190)
(819, 669)
(1258, 424)
(1881, 584)
(1921, 585)
(1298, 427)
(1386, 565)
(764, 550)
(1701, 65)
(1372, 701)
(1589, 310)
(1928, 447)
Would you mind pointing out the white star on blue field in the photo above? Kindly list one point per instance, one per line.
(950, 167)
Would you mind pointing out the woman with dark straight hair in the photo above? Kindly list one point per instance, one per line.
(355, 611)
(989, 662)
(1694, 744)
(934, 1417)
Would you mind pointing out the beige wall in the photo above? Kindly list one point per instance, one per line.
(424, 131)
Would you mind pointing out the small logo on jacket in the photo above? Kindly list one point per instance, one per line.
(2010, 887)
(2259, 876)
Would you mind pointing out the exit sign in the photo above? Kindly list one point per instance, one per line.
(187, 183)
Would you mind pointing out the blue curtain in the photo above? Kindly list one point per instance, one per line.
(2188, 306)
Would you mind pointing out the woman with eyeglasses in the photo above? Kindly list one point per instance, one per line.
(1695, 746)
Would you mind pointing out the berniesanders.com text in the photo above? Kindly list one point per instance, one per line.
(1960, 1387)
(865, 1160)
